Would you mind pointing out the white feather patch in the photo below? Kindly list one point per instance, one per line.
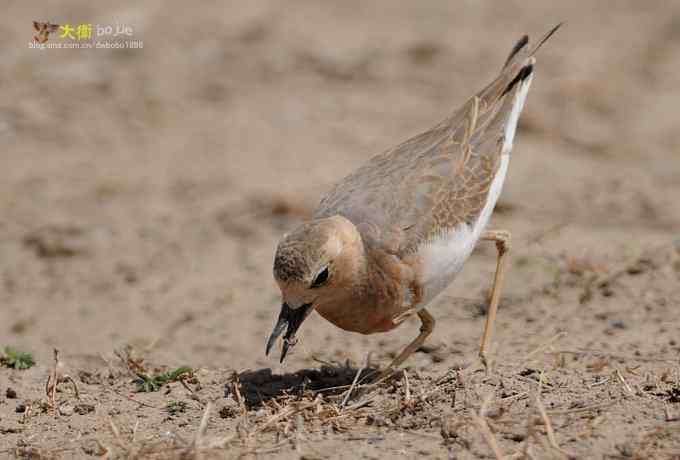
(444, 257)
(511, 126)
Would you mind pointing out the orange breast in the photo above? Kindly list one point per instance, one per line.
(360, 318)
(391, 288)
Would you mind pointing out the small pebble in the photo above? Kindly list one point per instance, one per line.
(11, 393)
(82, 409)
(618, 324)
(66, 410)
(227, 412)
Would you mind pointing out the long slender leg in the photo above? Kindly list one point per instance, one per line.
(502, 239)
(426, 329)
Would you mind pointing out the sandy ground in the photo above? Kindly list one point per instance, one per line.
(142, 193)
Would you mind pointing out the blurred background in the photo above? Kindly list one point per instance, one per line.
(143, 191)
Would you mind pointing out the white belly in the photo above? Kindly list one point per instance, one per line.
(444, 257)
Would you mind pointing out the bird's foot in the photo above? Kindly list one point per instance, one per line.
(482, 360)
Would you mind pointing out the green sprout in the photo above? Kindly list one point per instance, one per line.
(146, 383)
(16, 359)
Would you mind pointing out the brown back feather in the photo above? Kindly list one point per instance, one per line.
(437, 179)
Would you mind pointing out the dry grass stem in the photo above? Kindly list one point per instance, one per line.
(130, 398)
(487, 434)
(407, 390)
(623, 382)
(542, 346)
(53, 380)
(348, 393)
(285, 413)
(549, 428)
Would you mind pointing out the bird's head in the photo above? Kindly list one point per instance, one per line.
(315, 266)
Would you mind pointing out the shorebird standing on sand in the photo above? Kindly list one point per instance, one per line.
(389, 238)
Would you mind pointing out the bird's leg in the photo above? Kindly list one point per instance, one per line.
(401, 317)
(502, 239)
(426, 329)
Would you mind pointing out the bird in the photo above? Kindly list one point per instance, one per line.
(387, 239)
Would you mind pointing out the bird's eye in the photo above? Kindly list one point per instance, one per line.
(321, 278)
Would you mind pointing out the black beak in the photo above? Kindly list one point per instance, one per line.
(291, 319)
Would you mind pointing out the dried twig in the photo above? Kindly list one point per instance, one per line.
(134, 432)
(549, 428)
(200, 433)
(530, 434)
(53, 380)
(623, 382)
(236, 392)
(51, 385)
(599, 382)
(583, 409)
(115, 431)
(27, 413)
(480, 420)
(543, 345)
(286, 412)
(407, 391)
(348, 393)
(487, 434)
(130, 398)
(360, 404)
(486, 403)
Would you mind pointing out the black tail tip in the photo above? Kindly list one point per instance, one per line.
(524, 73)
(517, 48)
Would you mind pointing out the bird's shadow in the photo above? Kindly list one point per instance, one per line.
(260, 386)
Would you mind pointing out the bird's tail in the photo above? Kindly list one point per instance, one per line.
(520, 52)
(499, 104)
(518, 67)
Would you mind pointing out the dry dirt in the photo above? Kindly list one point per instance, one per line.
(142, 193)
